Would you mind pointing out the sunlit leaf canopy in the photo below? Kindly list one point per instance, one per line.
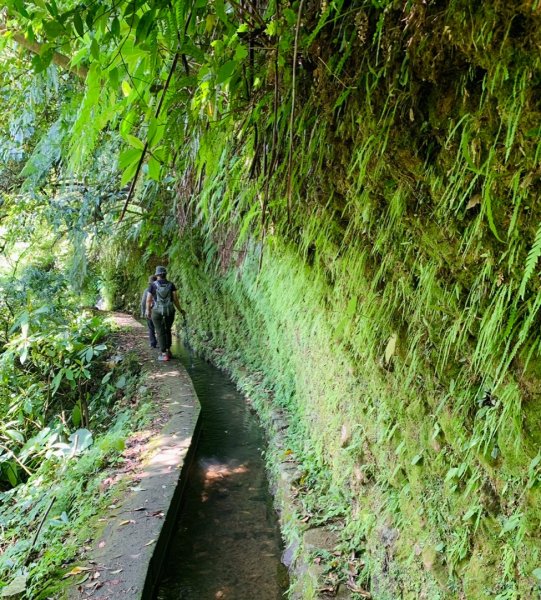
(126, 53)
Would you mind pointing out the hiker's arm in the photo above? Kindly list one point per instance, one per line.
(177, 303)
(149, 305)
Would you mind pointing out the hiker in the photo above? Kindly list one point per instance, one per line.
(161, 302)
(150, 324)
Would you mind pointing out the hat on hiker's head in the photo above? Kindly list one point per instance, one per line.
(161, 271)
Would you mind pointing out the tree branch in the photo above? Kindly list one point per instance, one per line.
(59, 59)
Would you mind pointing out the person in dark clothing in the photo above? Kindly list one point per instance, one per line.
(161, 303)
(151, 329)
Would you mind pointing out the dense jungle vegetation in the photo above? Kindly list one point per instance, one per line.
(346, 194)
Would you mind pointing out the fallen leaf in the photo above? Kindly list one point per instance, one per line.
(116, 572)
(127, 522)
(76, 571)
(101, 545)
(151, 542)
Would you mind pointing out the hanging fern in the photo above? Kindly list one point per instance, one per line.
(531, 262)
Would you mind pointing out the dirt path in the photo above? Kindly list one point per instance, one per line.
(134, 538)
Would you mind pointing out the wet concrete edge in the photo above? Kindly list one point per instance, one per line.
(125, 559)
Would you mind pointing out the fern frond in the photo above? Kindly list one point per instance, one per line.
(531, 262)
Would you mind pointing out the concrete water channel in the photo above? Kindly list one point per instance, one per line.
(195, 519)
(226, 542)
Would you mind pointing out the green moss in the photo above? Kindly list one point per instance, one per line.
(393, 290)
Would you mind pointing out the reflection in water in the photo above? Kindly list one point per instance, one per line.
(227, 543)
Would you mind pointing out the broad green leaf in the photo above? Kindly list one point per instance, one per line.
(219, 7)
(14, 435)
(128, 157)
(154, 169)
(20, 6)
(55, 384)
(126, 88)
(37, 64)
(511, 523)
(155, 131)
(272, 28)
(78, 24)
(241, 53)
(12, 473)
(129, 173)
(52, 8)
(53, 29)
(135, 142)
(226, 71)
(76, 415)
(144, 26)
(78, 56)
(94, 49)
(115, 27)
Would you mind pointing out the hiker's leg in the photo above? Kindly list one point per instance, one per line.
(168, 326)
(159, 325)
(151, 333)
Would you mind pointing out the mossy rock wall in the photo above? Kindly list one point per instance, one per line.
(434, 515)
(384, 283)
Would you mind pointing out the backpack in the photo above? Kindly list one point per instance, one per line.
(164, 298)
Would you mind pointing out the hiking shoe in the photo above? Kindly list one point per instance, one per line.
(169, 353)
(164, 357)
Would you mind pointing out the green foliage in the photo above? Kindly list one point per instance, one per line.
(47, 361)
(62, 422)
(385, 277)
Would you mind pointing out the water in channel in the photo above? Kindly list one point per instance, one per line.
(227, 543)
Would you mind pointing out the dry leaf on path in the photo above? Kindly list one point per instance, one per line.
(76, 571)
(127, 522)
